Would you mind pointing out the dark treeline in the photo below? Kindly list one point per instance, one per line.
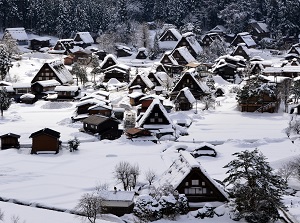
(64, 17)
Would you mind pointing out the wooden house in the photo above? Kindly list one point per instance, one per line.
(101, 109)
(189, 41)
(134, 97)
(156, 120)
(106, 127)
(285, 71)
(67, 92)
(118, 71)
(183, 56)
(45, 141)
(82, 107)
(68, 60)
(170, 64)
(123, 51)
(143, 81)
(118, 202)
(219, 29)
(170, 35)
(10, 140)
(147, 100)
(54, 70)
(142, 53)
(184, 100)
(197, 88)
(241, 50)
(137, 133)
(83, 39)
(20, 89)
(208, 38)
(109, 60)
(101, 54)
(19, 34)
(39, 88)
(155, 79)
(188, 177)
(295, 49)
(245, 38)
(39, 42)
(168, 39)
(256, 68)
(80, 55)
(258, 30)
(62, 46)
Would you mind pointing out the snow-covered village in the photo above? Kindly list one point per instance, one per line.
(179, 119)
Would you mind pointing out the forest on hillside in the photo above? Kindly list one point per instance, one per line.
(65, 17)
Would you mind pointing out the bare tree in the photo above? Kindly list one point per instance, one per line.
(150, 176)
(90, 206)
(122, 173)
(1, 215)
(134, 173)
(127, 174)
(287, 170)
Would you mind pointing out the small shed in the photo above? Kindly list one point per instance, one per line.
(142, 53)
(45, 141)
(118, 202)
(106, 127)
(10, 140)
(39, 42)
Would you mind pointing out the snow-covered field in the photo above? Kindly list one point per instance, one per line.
(60, 180)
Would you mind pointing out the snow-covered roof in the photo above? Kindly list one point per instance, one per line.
(106, 58)
(41, 38)
(100, 106)
(185, 53)
(48, 83)
(180, 169)
(21, 85)
(190, 37)
(61, 71)
(218, 29)
(17, 33)
(145, 79)
(155, 102)
(285, 69)
(117, 195)
(247, 38)
(66, 88)
(171, 58)
(175, 32)
(135, 94)
(188, 94)
(85, 37)
(93, 101)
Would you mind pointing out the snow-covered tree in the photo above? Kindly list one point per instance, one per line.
(73, 144)
(5, 100)
(256, 89)
(255, 189)
(147, 208)
(5, 61)
(295, 90)
(80, 72)
(11, 44)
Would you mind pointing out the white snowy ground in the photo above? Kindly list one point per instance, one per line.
(60, 180)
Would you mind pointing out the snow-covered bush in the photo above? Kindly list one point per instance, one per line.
(147, 208)
(207, 211)
(73, 144)
(168, 206)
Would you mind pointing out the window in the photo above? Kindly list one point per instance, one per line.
(152, 120)
(187, 80)
(203, 183)
(156, 114)
(186, 183)
(195, 182)
(160, 120)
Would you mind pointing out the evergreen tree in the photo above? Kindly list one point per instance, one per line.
(80, 72)
(256, 190)
(5, 61)
(295, 90)
(5, 100)
(10, 44)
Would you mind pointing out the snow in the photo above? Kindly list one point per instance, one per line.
(60, 180)
(17, 33)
